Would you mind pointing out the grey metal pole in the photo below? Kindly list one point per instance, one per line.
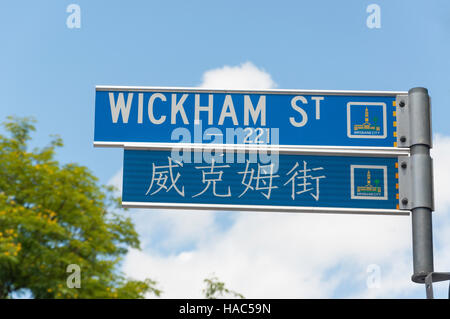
(422, 183)
(422, 244)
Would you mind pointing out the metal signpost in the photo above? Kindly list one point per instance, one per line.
(417, 191)
(276, 150)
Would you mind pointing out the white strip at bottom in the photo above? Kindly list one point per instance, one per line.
(266, 208)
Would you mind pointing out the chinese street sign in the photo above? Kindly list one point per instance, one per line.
(286, 182)
(165, 117)
(277, 150)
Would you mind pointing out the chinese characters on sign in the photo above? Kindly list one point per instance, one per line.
(160, 176)
(291, 180)
(301, 180)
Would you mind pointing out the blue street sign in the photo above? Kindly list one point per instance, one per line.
(246, 181)
(169, 116)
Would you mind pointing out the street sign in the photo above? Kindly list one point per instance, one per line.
(166, 117)
(277, 150)
(251, 181)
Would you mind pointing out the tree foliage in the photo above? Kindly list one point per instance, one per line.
(54, 215)
(216, 289)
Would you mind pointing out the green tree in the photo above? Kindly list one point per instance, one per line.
(54, 215)
(216, 289)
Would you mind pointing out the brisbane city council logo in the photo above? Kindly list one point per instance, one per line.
(367, 120)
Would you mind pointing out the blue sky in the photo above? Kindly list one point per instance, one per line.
(50, 71)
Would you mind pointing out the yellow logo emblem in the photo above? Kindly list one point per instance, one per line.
(367, 127)
(369, 189)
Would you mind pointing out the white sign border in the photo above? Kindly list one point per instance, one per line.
(267, 208)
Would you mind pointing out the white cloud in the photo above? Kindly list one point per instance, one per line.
(275, 255)
(441, 217)
(441, 155)
(116, 181)
(173, 230)
(244, 76)
(267, 255)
